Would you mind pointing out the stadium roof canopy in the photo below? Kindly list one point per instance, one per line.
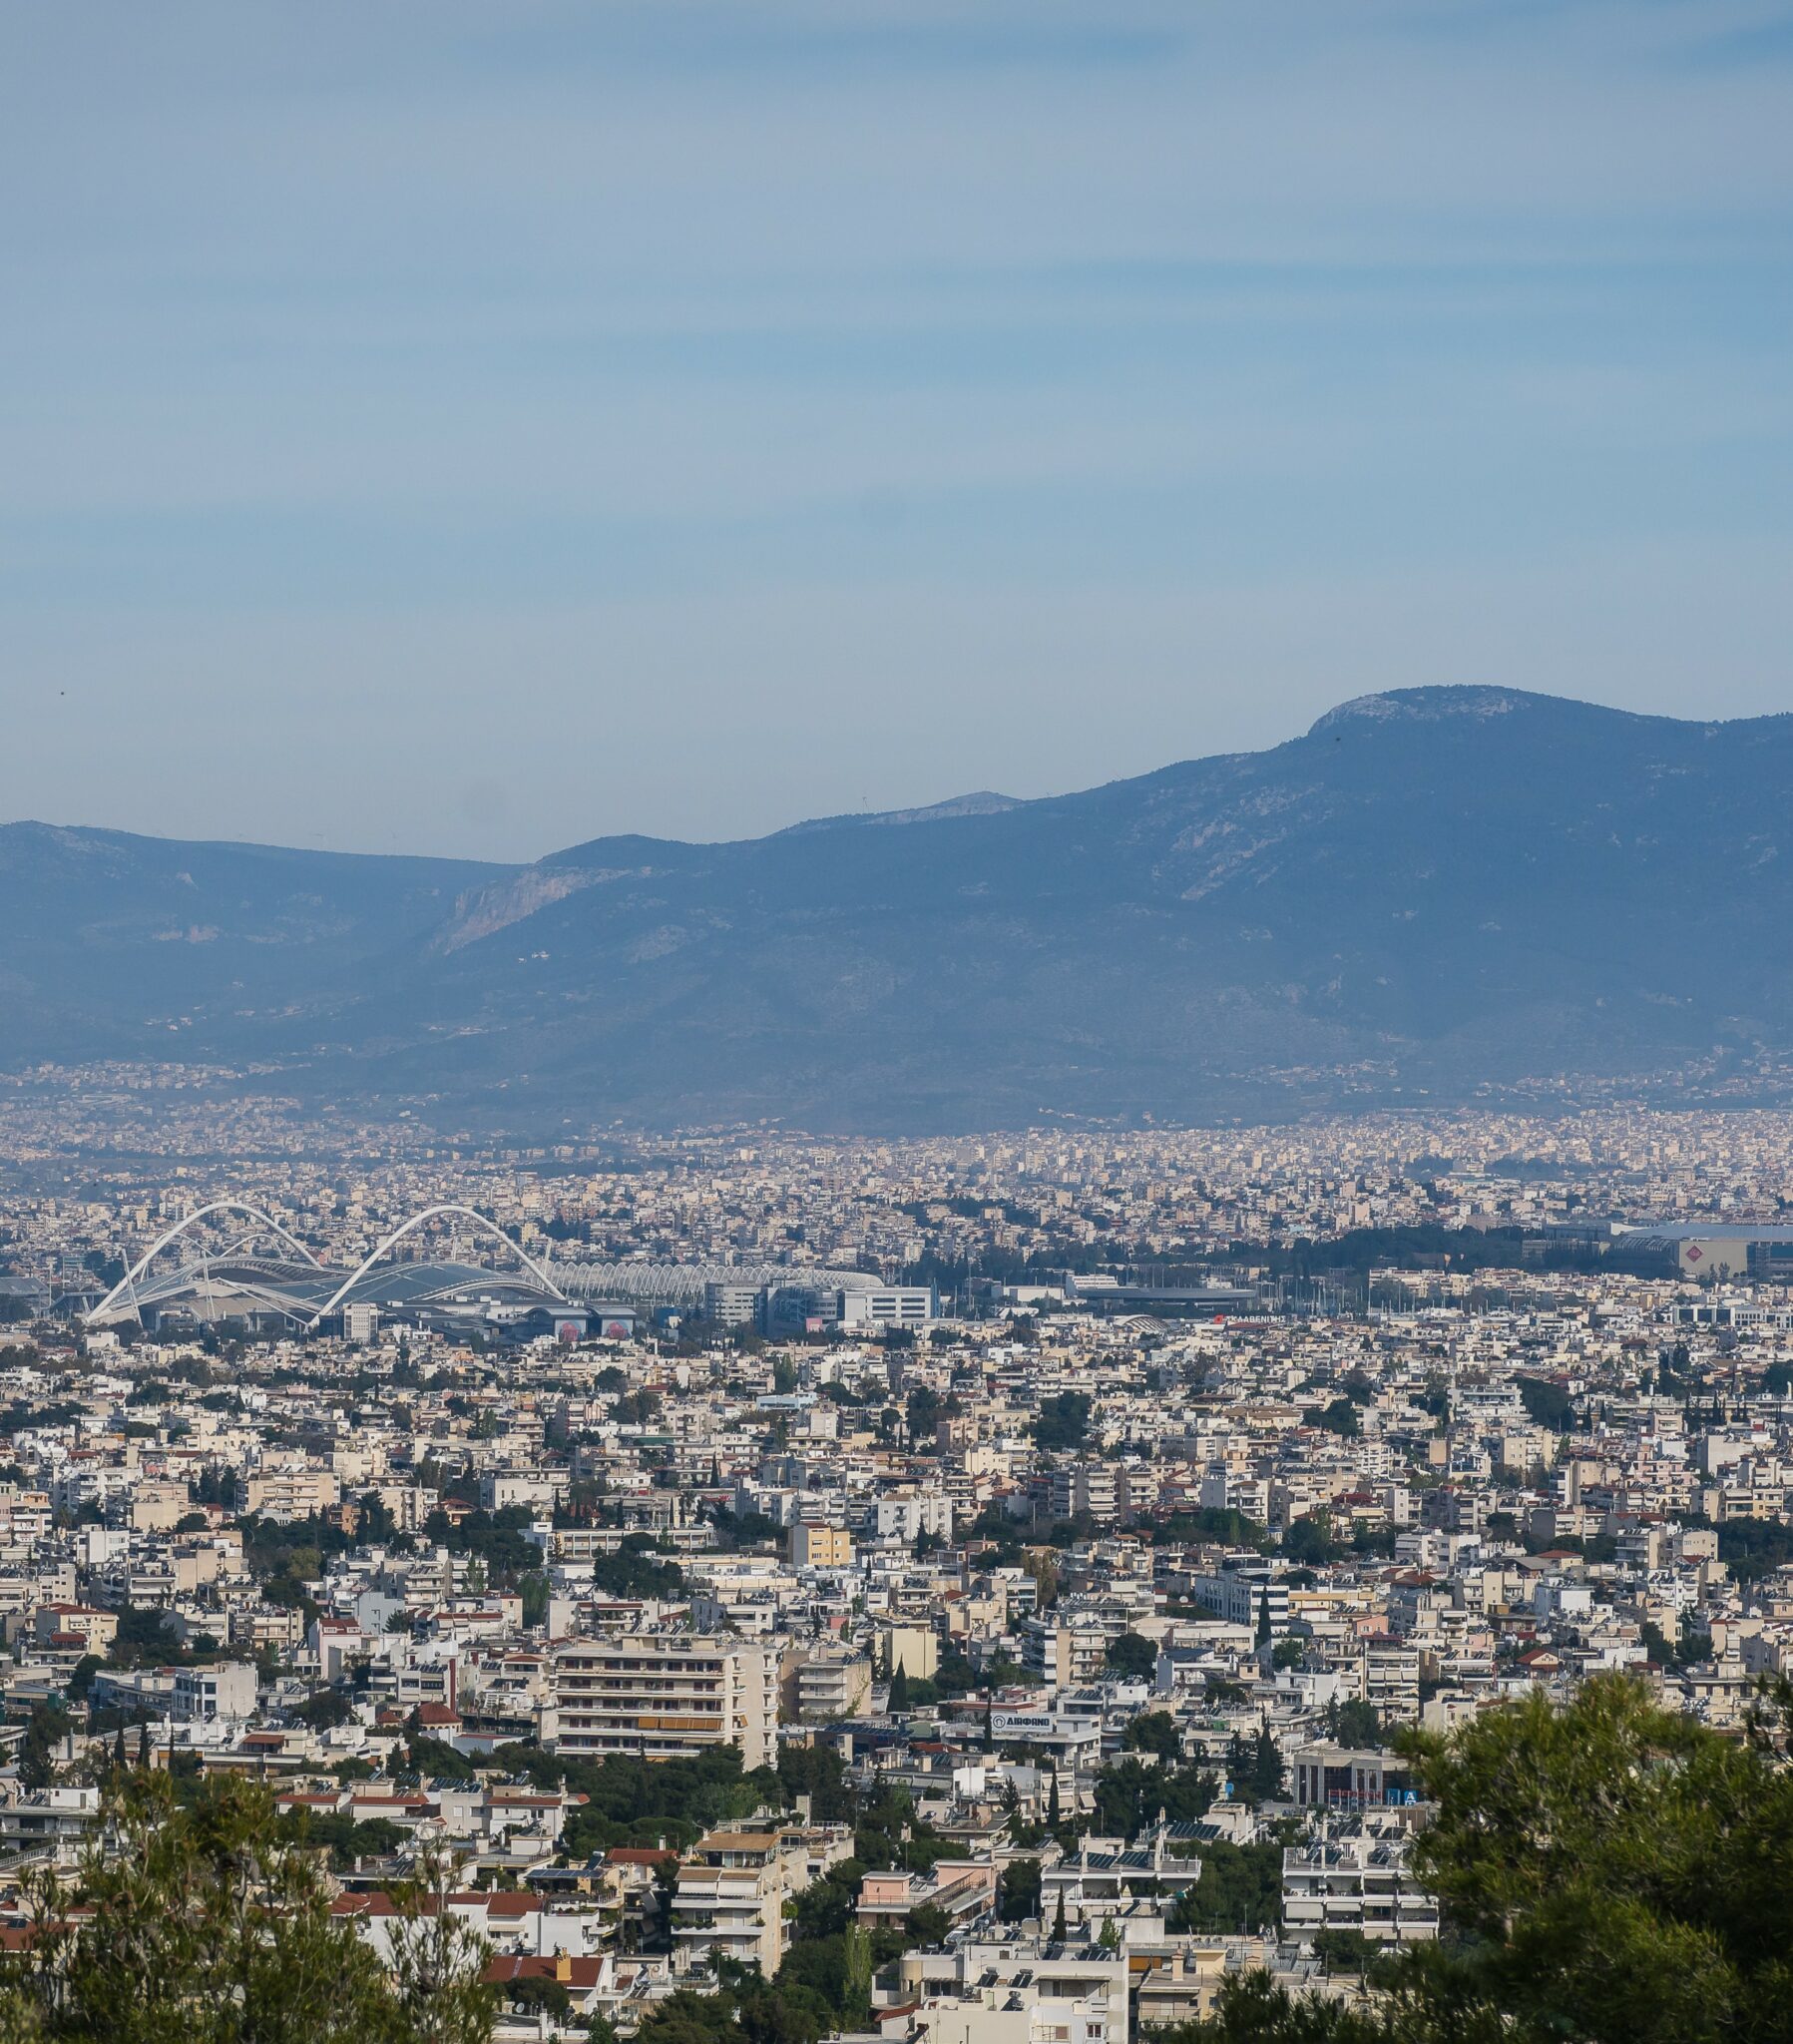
(243, 1278)
(262, 1269)
(247, 1287)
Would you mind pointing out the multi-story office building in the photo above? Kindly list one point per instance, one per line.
(733, 1305)
(1324, 1775)
(893, 1306)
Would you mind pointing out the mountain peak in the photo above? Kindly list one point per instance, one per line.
(1427, 706)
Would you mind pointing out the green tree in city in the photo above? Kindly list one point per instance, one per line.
(1266, 1769)
(533, 1589)
(1154, 1732)
(1132, 1655)
(46, 1727)
(1339, 1418)
(534, 1991)
(1241, 1889)
(1309, 1542)
(1610, 1873)
(1018, 1894)
(1355, 1722)
(926, 1923)
(1063, 1421)
(1130, 1796)
(204, 1924)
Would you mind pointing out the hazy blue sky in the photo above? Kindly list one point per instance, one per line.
(476, 428)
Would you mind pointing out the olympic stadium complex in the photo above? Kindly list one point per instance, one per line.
(232, 1263)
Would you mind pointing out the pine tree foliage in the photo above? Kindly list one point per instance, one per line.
(206, 1923)
(1610, 1873)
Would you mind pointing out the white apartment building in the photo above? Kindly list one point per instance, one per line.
(50, 1822)
(219, 1689)
(1068, 1645)
(1242, 1590)
(1087, 1487)
(536, 1488)
(660, 1695)
(906, 1515)
(1355, 1881)
(1016, 1992)
(1388, 1675)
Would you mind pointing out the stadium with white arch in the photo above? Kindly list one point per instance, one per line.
(451, 1267)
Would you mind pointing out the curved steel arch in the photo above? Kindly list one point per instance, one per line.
(128, 1282)
(416, 1220)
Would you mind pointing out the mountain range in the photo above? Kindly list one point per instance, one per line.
(1433, 895)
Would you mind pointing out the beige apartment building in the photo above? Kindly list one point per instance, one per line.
(662, 1696)
(915, 1648)
(150, 1507)
(820, 1547)
(288, 1494)
(731, 1894)
(95, 1630)
(822, 1685)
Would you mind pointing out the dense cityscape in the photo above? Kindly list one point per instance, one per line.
(896, 1057)
(973, 1588)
